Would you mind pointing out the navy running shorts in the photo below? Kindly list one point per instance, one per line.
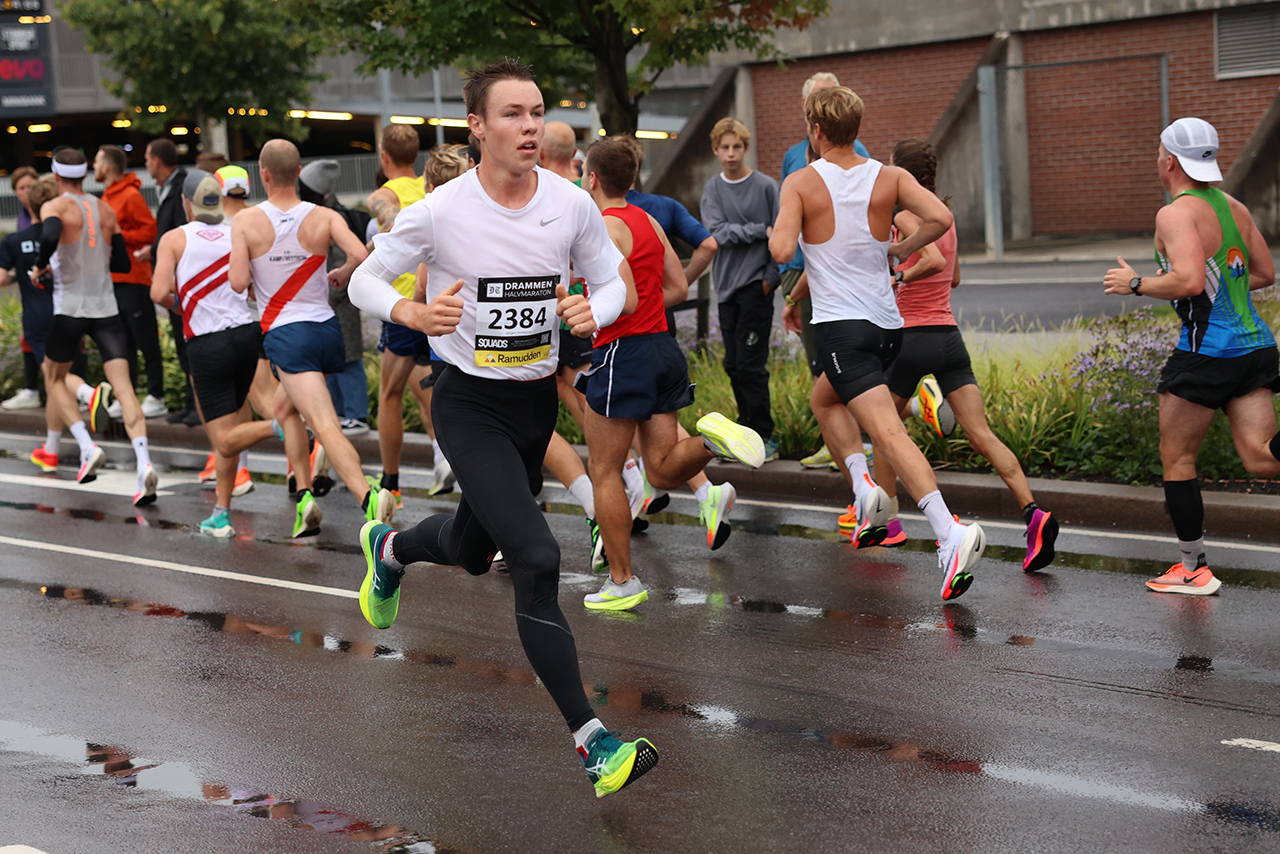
(223, 365)
(306, 345)
(637, 377)
(937, 350)
(1213, 381)
(855, 354)
(406, 342)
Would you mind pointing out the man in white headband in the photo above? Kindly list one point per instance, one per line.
(83, 232)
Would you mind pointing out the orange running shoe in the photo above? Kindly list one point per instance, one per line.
(1201, 582)
(849, 520)
(47, 462)
(208, 473)
(244, 483)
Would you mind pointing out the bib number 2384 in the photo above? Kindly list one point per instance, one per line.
(515, 318)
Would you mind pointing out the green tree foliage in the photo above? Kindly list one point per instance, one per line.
(202, 58)
(614, 49)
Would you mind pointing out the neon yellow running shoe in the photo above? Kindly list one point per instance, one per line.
(730, 441)
(617, 597)
(820, 458)
(612, 764)
(381, 506)
(307, 521)
(714, 514)
(933, 408)
(380, 590)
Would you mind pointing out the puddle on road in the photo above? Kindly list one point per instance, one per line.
(126, 768)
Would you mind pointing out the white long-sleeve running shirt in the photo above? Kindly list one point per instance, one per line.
(510, 262)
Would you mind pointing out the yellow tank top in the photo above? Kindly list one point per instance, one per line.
(408, 191)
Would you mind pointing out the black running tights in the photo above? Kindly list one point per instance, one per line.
(495, 434)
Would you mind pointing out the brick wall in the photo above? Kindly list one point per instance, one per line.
(905, 91)
(1094, 130)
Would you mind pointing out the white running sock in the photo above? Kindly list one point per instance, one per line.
(702, 493)
(82, 437)
(84, 394)
(141, 452)
(857, 465)
(583, 734)
(436, 454)
(582, 490)
(1191, 552)
(935, 510)
(632, 478)
(388, 556)
(51, 441)
(244, 460)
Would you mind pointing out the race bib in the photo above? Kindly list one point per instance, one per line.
(515, 318)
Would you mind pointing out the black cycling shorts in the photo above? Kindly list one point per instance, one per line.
(854, 354)
(65, 333)
(937, 350)
(223, 365)
(1213, 381)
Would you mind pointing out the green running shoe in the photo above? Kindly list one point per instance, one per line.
(599, 560)
(380, 590)
(381, 506)
(730, 441)
(714, 513)
(612, 764)
(307, 521)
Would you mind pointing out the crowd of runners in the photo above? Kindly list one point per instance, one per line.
(512, 276)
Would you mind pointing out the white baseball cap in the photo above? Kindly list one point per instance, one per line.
(1195, 143)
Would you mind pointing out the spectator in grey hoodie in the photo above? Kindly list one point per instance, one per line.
(738, 207)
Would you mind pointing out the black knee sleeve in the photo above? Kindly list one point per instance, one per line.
(1186, 508)
(1275, 446)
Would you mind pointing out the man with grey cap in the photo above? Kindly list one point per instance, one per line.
(349, 388)
(1210, 256)
(223, 340)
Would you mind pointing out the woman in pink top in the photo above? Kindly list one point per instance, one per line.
(932, 344)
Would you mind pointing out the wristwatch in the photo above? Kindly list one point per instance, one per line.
(1133, 285)
(897, 277)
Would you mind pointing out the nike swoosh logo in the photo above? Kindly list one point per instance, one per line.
(545, 222)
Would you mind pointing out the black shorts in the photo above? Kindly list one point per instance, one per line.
(437, 368)
(223, 365)
(937, 350)
(855, 354)
(1213, 382)
(574, 351)
(637, 377)
(65, 333)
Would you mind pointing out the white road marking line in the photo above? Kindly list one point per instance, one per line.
(986, 523)
(20, 849)
(1091, 788)
(108, 483)
(178, 567)
(1253, 744)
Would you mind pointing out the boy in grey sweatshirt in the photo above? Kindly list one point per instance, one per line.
(739, 207)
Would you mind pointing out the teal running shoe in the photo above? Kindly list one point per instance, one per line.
(218, 525)
(731, 442)
(380, 590)
(612, 764)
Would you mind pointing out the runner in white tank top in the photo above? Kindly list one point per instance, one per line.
(223, 339)
(844, 220)
(280, 247)
(290, 283)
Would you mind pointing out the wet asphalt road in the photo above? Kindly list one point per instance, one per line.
(802, 695)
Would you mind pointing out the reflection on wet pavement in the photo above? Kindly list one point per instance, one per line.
(957, 621)
(176, 779)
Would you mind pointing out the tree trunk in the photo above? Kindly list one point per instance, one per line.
(619, 108)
